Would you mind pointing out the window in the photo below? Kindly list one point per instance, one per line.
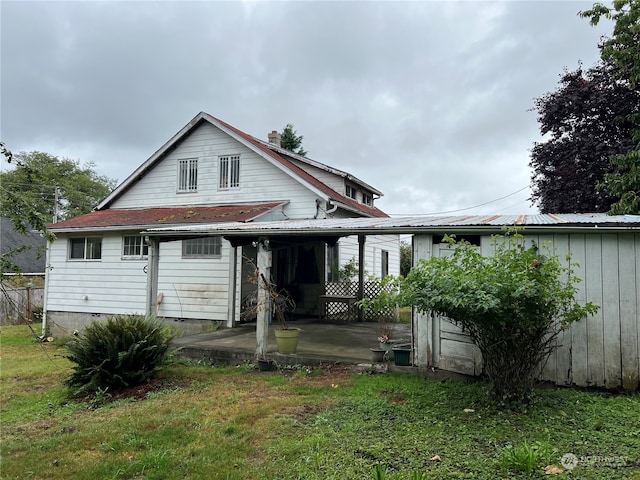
(201, 247)
(134, 246)
(188, 175)
(367, 199)
(85, 248)
(384, 262)
(229, 168)
(333, 263)
(350, 191)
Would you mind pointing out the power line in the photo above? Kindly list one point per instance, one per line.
(466, 208)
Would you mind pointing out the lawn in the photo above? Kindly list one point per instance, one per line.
(233, 422)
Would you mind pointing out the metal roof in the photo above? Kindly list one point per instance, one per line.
(408, 225)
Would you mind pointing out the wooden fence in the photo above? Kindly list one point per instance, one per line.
(20, 305)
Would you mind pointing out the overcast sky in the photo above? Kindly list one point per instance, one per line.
(429, 102)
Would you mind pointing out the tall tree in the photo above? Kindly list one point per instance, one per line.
(623, 50)
(42, 185)
(290, 140)
(587, 121)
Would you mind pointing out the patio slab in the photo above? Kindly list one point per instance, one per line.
(320, 343)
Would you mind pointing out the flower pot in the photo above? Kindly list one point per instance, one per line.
(287, 340)
(402, 356)
(377, 354)
(388, 348)
(266, 365)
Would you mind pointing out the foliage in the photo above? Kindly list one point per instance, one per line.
(513, 304)
(405, 258)
(587, 120)
(349, 271)
(622, 49)
(290, 140)
(203, 422)
(31, 187)
(124, 351)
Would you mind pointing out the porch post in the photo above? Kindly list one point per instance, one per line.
(361, 241)
(233, 285)
(262, 320)
(152, 275)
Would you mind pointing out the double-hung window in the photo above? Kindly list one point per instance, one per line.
(205, 247)
(367, 199)
(350, 191)
(85, 248)
(229, 172)
(188, 175)
(134, 247)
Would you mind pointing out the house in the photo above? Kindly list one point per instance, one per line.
(209, 172)
(602, 350)
(26, 251)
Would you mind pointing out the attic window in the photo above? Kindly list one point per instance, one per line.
(188, 175)
(367, 199)
(229, 168)
(350, 191)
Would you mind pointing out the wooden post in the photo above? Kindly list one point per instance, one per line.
(262, 317)
(361, 241)
(152, 275)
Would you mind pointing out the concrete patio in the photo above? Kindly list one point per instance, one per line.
(320, 343)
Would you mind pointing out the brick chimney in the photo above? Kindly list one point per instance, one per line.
(274, 137)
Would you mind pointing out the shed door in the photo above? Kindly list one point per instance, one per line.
(453, 350)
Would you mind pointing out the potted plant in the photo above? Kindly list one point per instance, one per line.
(281, 304)
(266, 364)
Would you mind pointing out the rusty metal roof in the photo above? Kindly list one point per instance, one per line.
(150, 217)
(410, 224)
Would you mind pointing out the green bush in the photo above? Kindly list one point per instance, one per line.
(123, 351)
(513, 304)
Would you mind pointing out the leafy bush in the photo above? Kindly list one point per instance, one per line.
(123, 351)
(513, 304)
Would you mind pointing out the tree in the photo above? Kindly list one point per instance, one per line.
(622, 49)
(290, 140)
(42, 185)
(587, 119)
(405, 258)
(513, 304)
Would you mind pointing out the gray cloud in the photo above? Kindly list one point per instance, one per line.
(427, 101)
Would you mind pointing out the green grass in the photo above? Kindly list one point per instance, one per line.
(204, 422)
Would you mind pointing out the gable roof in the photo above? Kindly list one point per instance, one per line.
(270, 153)
(154, 217)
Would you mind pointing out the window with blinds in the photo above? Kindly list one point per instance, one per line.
(229, 168)
(188, 175)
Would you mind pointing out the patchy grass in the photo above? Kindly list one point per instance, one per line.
(202, 422)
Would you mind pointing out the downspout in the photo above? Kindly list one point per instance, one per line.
(45, 324)
(335, 207)
(361, 241)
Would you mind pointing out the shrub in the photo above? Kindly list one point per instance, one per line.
(513, 304)
(123, 351)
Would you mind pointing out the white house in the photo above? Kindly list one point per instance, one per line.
(209, 172)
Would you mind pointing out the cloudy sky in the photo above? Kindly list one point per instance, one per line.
(427, 101)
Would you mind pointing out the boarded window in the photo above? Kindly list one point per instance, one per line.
(134, 246)
(229, 168)
(85, 248)
(188, 175)
(202, 247)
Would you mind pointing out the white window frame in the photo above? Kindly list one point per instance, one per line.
(384, 263)
(187, 175)
(351, 191)
(139, 246)
(88, 247)
(229, 172)
(367, 199)
(203, 247)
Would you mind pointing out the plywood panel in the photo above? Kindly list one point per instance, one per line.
(611, 311)
(595, 323)
(579, 329)
(629, 273)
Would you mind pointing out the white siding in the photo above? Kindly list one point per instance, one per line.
(374, 245)
(260, 181)
(334, 181)
(602, 350)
